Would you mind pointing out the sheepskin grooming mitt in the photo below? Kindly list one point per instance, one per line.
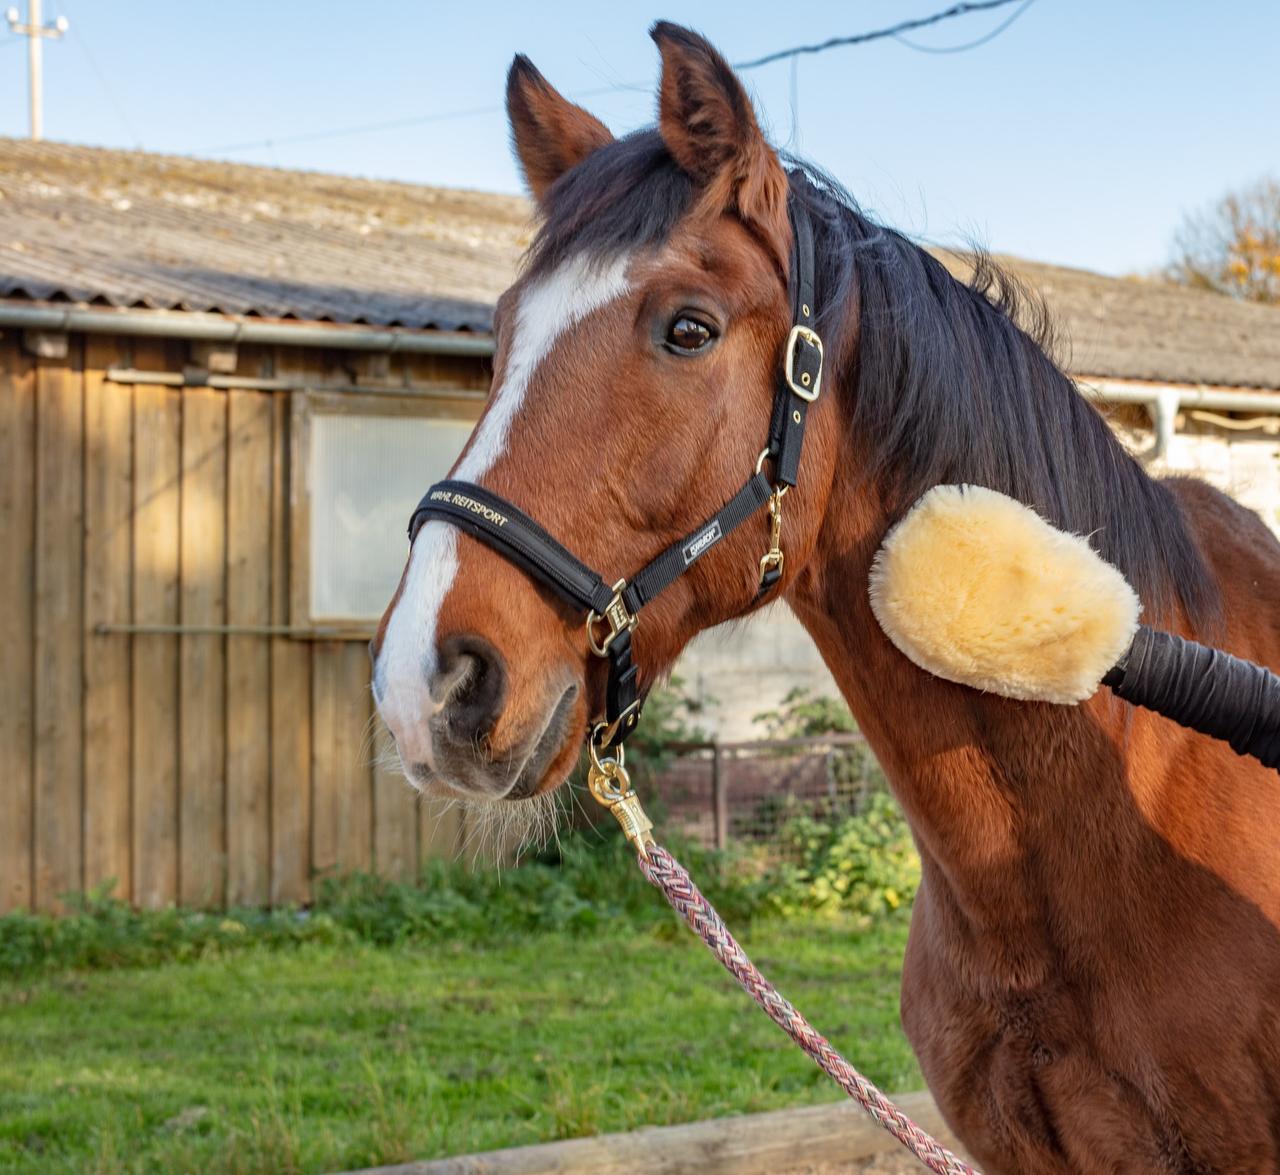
(978, 589)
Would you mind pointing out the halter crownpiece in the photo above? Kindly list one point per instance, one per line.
(612, 613)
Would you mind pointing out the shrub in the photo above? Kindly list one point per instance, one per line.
(588, 882)
(864, 864)
(802, 715)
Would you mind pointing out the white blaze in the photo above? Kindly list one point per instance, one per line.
(407, 661)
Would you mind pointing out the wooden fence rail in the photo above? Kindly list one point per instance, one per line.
(828, 1137)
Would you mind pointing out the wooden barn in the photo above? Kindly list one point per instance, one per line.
(222, 389)
(213, 383)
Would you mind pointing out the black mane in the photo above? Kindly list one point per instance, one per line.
(944, 385)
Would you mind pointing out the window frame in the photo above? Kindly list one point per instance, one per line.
(457, 404)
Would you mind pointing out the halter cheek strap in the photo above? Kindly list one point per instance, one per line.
(802, 361)
(613, 612)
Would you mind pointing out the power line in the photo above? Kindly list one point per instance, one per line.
(107, 88)
(991, 36)
(905, 26)
(400, 123)
(894, 31)
(369, 127)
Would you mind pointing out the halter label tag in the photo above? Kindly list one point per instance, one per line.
(700, 542)
(454, 499)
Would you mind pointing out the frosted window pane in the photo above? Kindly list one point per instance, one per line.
(367, 474)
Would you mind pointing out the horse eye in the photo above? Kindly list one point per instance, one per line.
(688, 334)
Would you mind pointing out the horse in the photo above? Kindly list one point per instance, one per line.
(1091, 977)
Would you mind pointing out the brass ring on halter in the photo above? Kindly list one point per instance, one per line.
(779, 491)
(609, 765)
(607, 780)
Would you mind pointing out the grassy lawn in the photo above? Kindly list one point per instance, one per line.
(322, 1058)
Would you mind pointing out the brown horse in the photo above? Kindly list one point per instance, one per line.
(1092, 981)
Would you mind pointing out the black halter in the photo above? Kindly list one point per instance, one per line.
(514, 535)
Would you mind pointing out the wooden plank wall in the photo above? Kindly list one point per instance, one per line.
(153, 713)
(248, 552)
(108, 596)
(201, 769)
(58, 628)
(17, 625)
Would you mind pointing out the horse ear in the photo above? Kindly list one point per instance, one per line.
(706, 119)
(549, 133)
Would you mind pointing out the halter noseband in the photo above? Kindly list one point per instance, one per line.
(519, 539)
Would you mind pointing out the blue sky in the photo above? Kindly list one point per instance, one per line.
(1079, 136)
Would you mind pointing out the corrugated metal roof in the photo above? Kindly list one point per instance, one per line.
(1129, 328)
(126, 228)
(131, 229)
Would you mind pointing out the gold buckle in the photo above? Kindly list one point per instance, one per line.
(618, 618)
(799, 332)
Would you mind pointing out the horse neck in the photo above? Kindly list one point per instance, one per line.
(1004, 798)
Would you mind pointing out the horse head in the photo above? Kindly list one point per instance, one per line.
(634, 376)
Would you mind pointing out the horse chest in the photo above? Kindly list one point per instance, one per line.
(1044, 1080)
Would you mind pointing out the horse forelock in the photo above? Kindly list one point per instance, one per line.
(626, 197)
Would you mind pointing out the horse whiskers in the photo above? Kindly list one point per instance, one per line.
(372, 745)
(493, 826)
(575, 801)
(387, 759)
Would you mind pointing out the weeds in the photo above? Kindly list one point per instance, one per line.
(863, 864)
(585, 882)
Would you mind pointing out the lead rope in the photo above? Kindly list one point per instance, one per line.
(611, 786)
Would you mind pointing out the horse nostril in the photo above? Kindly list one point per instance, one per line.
(469, 685)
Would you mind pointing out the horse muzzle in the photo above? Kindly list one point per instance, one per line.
(463, 735)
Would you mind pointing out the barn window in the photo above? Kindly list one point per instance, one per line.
(367, 462)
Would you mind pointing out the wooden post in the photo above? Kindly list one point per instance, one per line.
(290, 677)
(108, 591)
(248, 746)
(202, 696)
(17, 622)
(720, 795)
(157, 425)
(58, 629)
(341, 770)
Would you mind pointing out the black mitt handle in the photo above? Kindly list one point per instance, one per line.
(1203, 689)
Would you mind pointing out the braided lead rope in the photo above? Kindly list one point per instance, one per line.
(665, 872)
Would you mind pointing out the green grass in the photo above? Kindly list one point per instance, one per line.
(322, 1057)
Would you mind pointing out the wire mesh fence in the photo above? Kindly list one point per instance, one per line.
(716, 793)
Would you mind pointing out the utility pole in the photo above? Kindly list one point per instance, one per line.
(35, 32)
